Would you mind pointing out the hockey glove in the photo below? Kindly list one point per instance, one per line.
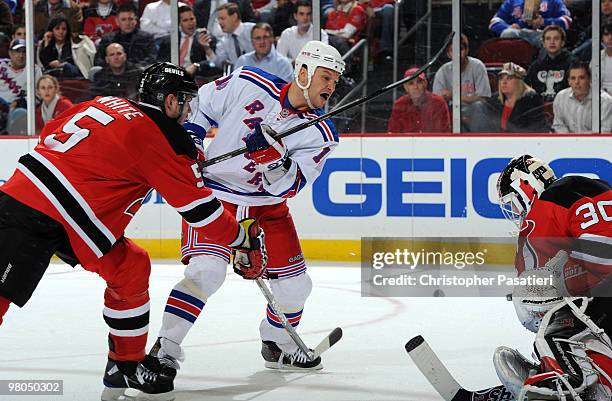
(250, 256)
(263, 149)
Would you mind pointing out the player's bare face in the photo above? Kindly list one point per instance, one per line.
(59, 32)
(323, 85)
(127, 22)
(553, 42)
(173, 109)
(580, 82)
(47, 90)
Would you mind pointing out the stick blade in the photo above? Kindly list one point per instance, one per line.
(432, 368)
(328, 342)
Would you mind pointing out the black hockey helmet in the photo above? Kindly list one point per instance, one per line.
(161, 79)
(522, 181)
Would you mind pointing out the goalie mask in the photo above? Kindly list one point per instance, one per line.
(520, 184)
(316, 54)
(162, 79)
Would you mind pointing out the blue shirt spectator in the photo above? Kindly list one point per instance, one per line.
(265, 56)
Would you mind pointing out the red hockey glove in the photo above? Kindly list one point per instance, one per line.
(264, 149)
(250, 257)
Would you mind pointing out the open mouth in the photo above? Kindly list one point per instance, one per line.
(325, 96)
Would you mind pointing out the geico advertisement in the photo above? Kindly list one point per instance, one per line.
(398, 186)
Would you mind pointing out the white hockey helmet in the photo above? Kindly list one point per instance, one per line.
(520, 184)
(317, 54)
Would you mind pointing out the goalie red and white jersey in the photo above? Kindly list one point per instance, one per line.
(234, 104)
(573, 214)
(95, 164)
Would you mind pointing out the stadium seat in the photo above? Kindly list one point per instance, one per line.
(77, 90)
(495, 52)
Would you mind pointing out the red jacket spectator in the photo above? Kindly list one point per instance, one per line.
(346, 12)
(63, 104)
(419, 110)
(99, 19)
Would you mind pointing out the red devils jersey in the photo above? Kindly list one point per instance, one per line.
(573, 214)
(357, 17)
(95, 164)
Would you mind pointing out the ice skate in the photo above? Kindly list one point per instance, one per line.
(160, 362)
(278, 359)
(120, 376)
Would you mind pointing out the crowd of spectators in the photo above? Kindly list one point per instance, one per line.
(105, 44)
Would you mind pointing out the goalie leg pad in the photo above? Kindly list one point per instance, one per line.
(291, 294)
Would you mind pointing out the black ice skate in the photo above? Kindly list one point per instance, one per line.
(277, 359)
(161, 363)
(122, 375)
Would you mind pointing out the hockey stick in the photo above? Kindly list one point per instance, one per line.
(331, 339)
(440, 378)
(340, 109)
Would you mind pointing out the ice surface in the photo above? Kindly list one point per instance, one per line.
(60, 334)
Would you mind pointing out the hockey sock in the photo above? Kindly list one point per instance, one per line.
(182, 310)
(129, 326)
(4, 305)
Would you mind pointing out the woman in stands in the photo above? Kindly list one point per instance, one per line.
(61, 55)
(517, 108)
(52, 102)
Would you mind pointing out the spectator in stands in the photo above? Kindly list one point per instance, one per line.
(13, 89)
(195, 46)
(6, 20)
(156, 18)
(548, 73)
(18, 32)
(100, 19)
(118, 77)
(344, 24)
(206, 14)
(513, 21)
(474, 79)
(265, 56)
(283, 16)
(63, 56)
(45, 10)
(517, 108)
(139, 46)
(294, 38)
(52, 102)
(606, 57)
(583, 51)
(236, 39)
(382, 9)
(573, 105)
(264, 9)
(419, 110)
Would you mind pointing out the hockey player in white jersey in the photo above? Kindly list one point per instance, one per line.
(249, 106)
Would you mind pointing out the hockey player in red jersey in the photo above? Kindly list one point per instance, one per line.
(76, 192)
(565, 235)
(247, 107)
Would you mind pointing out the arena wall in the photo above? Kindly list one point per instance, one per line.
(391, 186)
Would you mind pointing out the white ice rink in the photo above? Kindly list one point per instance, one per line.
(60, 334)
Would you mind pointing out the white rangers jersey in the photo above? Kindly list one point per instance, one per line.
(234, 104)
(13, 82)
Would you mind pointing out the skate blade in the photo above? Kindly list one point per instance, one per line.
(130, 394)
(291, 368)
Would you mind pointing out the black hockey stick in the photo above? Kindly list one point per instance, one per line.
(440, 378)
(332, 338)
(340, 109)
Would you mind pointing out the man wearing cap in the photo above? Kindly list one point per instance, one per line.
(419, 110)
(13, 89)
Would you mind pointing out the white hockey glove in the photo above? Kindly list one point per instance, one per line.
(270, 155)
(531, 302)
